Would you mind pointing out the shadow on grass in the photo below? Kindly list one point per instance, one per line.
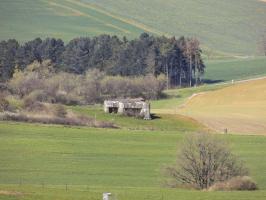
(210, 81)
(154, 116)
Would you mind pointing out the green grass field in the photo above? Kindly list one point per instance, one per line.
(161, 122)
(227, 26)
(60, 162)
(40, 160)
(59, 19)
(235, 69)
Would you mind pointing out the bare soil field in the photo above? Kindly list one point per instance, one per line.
(240, 108)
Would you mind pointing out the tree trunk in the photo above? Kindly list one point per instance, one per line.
(190, 70)
(180, 79)
(196, 70)
(167, 75)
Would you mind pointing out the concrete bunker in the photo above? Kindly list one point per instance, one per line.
(131, 107)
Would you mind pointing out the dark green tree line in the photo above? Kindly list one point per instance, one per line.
(179, 59)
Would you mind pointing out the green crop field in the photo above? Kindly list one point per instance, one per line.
(227, 26)
(61, 162)
(56, 162)
(236, 69)
(26, 20)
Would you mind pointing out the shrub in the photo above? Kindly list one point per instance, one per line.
(5, 90)
(39, 95)
(72, 121)
(148, 87)
(65, 88)
(152, 86)
(39, 82)
(13, 117)
(31, 105)
(91, 86)
(4, 104)
(236, 183)
(60, 111)
(24, 83)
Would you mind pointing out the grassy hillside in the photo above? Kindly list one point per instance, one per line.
(40, 160)
(240, 107)
(236, 69)
(57, 18)
(227, 26)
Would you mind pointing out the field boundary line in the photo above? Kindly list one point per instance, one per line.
(217, 84)
(125, 20)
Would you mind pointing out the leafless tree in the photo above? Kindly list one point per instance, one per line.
(202, 161)
(193, 52)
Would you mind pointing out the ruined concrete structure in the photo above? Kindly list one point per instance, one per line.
(133, 107)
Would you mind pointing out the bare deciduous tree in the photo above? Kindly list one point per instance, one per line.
(202, 161)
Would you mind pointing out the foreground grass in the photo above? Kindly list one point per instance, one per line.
(131, 193)
(40, 160)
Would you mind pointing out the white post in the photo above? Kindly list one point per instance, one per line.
(106, 196)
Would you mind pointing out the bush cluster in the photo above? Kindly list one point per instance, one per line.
(71, 121)
(5, 105)
(236, 183)
(36, 83)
